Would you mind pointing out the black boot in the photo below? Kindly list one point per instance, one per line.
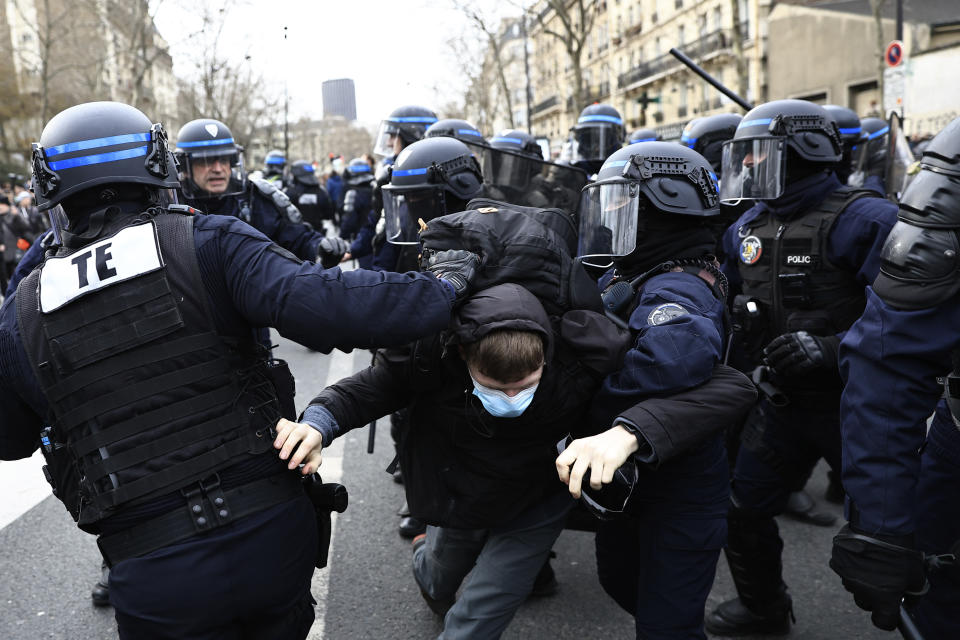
(101, 591)
(410, 527)
(753, 554)
(802, 507)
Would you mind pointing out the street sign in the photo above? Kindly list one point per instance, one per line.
(893, 56)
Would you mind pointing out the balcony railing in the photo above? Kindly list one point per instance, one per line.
(720, 40)
(552, 101)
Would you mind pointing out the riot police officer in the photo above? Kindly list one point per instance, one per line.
(310, 198)
(798, 262)
(404, 126)
(212, 180)
(454, 128)
(870, 156)
(902, 481)
(273, 166)
(597, 133)
(707, 136)
(130, 355)
(848, 123)
(648, 211)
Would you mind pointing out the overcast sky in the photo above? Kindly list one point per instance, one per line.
(396, 51)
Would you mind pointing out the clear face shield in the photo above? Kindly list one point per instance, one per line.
(403, 210)
(593, 144)
(386, 139)
(211, 174)
(608, 222)
(753, 169)
(900, 159)
(519, 179)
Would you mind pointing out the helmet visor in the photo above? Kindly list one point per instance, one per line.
(753, 169)
(403, 210)
(608, 221)
(386, 138)
(531, 182)
(899, 158)
(593, 143)
(211, 175)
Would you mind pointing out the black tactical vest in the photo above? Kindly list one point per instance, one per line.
(787, 274)
(145, 397)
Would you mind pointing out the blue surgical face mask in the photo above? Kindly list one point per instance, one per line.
(499, 404)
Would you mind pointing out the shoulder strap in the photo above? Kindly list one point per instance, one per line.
(279, 199)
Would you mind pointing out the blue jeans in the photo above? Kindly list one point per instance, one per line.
(505, 562)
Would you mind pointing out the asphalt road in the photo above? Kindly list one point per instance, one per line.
(47, 565)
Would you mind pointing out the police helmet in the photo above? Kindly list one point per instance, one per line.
(408, 123)
(848, 123)
(518, 141)
(598, 133)
(636, 182)
(99, 143)
(707, 135)
(430, 178)
(358, 173)
(870, 154)
(642, 135)
(205, 143)
(274, 163)
(453, 128)
(774, 139)
(302, 171)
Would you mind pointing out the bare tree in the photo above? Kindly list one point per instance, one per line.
(576, 19)
(488, 28)
(62, 30)
(229, 91)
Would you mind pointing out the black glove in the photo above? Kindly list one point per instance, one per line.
(458, 267)
(878, 571)
(331, 250)
(799, 353)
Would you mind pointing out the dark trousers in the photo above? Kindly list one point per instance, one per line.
(659, 562)
(249, 580)
(779, 449)
(938, 526)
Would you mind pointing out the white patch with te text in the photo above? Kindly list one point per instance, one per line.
(131, 252)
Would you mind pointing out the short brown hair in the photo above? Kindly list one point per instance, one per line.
(506, 355)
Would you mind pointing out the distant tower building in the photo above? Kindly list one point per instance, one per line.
(339, 98)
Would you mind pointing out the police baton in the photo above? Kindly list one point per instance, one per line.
(907, 627)
(697, 69)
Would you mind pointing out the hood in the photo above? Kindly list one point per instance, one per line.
(803, 194)
(504, 306)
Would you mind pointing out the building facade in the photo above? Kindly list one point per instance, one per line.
(339, 98)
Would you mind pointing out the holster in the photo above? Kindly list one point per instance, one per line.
(326, 498)
(286, 387)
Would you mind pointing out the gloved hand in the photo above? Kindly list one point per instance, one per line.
(331, 250)
(799, 353)
(878, 571)
(456, 266)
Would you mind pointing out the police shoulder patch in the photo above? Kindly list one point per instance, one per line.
(750, 249)
(665, 313)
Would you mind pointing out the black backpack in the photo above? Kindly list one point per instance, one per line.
(525, 245)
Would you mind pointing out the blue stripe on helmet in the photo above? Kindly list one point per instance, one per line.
(359, 168)
(850, 131)
(414, 119)
(205, 143)
(755, 123)
(613, 119)
(276, 160)
(636, 140)
(96, 143)
(409, 172)
(878, 133)
(469, 132)
(98, 158)
(615, 163)
(510, 140)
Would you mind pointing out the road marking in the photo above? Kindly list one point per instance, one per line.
(341, 365)
(23, 487)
